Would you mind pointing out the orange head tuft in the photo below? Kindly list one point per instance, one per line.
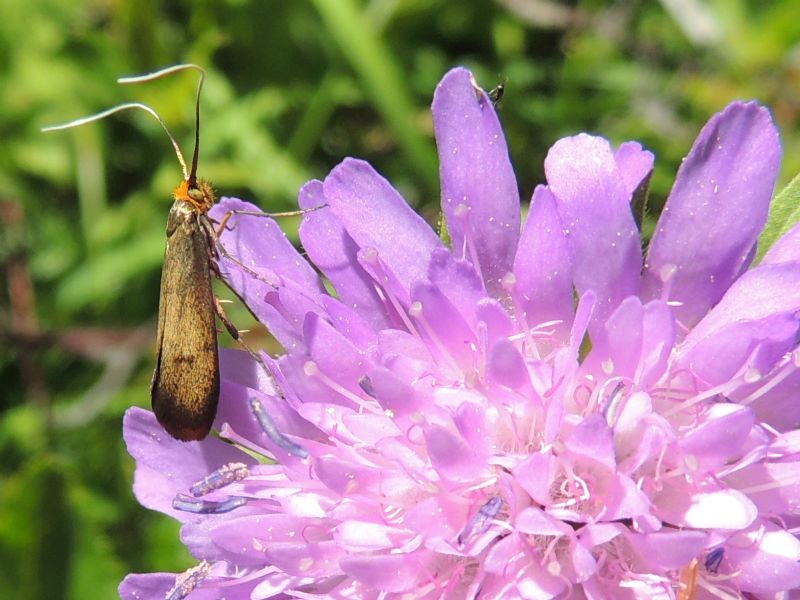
(201, 196)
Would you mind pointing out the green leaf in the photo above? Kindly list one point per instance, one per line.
(783, 214)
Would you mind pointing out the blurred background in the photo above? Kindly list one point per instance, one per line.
(291, 89)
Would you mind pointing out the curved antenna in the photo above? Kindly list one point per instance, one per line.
(191, 177)
(120, 108)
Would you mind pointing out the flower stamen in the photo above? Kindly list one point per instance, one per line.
(219, 478)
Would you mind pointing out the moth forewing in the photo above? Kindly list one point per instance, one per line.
(185, 386)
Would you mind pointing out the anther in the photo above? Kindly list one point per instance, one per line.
(272, 432)
(187, 582)
(219, 478)
(207, 507)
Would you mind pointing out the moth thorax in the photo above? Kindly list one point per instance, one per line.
(200, 195)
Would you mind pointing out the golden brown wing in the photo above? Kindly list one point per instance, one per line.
(185, 386)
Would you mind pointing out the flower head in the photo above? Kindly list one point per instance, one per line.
(535, 413)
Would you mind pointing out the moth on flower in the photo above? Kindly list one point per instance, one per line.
(537, 410)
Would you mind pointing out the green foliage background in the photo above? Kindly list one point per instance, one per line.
(292, 88)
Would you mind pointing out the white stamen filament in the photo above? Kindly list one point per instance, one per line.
(417, 312)
(784, 372)
(311, 369)
(772, 485)
(509, 284)
(462, 213)
(371, 256)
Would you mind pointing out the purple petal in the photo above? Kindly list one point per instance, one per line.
(166, 466)
(347, 478)
(657, 342)
(719, 509)
(505, 366)
(146, 586)
(394, 395)
(766, 291)
(350, 324)
(388, 572)
(452, 458)
(779, 408)
(593, 438)
(533, 520)
(769, 567)
(620, 339)
(535, 474)
(335, 356)
(786, 249)
(594, 205)
(334, 252)
(669, 549)
(721, 430)
(243, 378)
(458, 281)
(491, 314)
(543, 265)
(476, 176)
(634, 164)
(245, 539)
(441, 322)
(442, 515)
(756, 344)
(288, 287)
(715, 210)
(376, 216)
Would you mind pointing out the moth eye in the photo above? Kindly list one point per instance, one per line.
(195, 194)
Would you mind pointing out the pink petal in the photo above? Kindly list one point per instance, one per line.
(388, 572)
(594, 205)
(543, 265)
(334, 252)
(376, 216)
(476, 173)
(716, 209)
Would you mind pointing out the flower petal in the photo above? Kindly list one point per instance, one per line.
(166, 466)
(769, 566)
(715, 210)
(146, 586)
(480, 198)
(594, 205)
(721, 430)
(634, 164)
(458, 281)
(387, 572)
(766, 291)
(669, 549)
(334, 252)
(288, 286)
(785, 249)
(543, 265)
(452, 458)
(376, 216)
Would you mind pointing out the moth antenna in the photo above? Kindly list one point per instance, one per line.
(120, 108)
(191, 176)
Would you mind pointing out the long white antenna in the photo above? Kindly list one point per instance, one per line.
(191, 177)
(120, 108)
(188, 175)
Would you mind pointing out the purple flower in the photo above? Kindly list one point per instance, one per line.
(534, 414)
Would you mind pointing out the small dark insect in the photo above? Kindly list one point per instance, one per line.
(496, 94)
(185, 385)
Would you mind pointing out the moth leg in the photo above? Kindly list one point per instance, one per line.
(232, 331)
(256, 213)
(220, 250)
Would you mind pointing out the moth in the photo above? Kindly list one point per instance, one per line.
(185, 386)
